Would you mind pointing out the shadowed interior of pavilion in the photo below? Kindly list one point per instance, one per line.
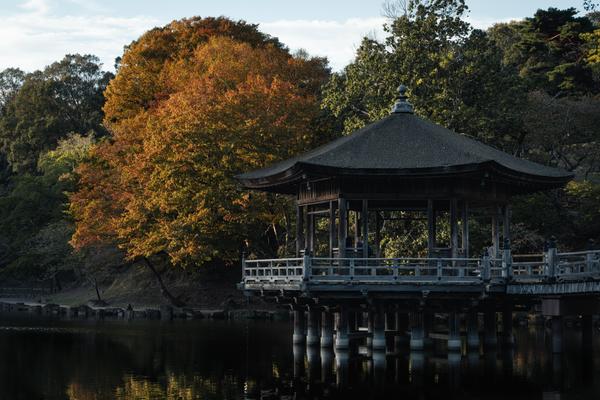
(404, 168)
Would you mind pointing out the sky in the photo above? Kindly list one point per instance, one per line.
(36, 33)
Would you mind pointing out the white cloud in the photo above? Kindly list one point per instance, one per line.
(486, 22)
(337, 40)
(36, 6)
(35, 37)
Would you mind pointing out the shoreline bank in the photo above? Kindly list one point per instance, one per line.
(163, 312)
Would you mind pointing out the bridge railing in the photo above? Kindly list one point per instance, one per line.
(395, 269)
(577, 265)
(529, 268)
(273, 270)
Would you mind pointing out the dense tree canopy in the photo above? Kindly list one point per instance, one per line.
(231, 100)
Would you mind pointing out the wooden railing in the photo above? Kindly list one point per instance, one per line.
(532, 268)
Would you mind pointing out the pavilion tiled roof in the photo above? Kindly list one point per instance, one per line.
(403, 144)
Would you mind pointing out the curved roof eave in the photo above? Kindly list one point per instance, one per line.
(299, 171)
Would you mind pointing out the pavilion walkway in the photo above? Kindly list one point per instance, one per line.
(550, 272)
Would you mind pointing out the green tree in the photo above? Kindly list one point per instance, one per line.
(11, 80)
(456, 76)
(548, 50)
(34, 226)
(65, 97)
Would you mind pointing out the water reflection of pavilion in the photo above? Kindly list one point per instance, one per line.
(405, 167)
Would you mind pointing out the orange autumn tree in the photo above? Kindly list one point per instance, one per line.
(217, 98)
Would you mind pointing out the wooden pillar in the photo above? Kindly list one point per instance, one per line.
(299, 229)
(310, 227)
(364, 219)
(465, 229)
(431, 228)
(454, 228)
(506, 211)
(495, 231)
(356, 228)
(342, 227)
(377, 234)
(331, 228)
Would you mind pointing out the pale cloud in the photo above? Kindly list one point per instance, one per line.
(337, 40)
(484, 23)
(35, 37)
(36, 6)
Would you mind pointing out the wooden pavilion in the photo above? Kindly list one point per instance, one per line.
(402, 163)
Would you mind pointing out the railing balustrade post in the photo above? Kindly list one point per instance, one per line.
(243, 267)
(486, 266)
(439, 269)
(306, 267)
(551, 259)
(589, 257)
(352, 268)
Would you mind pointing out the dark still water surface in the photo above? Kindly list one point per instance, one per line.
(256, 360)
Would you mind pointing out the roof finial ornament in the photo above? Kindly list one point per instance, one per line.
(402, 105)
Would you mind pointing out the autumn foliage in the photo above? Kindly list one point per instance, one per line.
(193, 104)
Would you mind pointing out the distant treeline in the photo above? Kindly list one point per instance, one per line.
(98, 170)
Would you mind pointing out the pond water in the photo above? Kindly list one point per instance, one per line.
(48, 359)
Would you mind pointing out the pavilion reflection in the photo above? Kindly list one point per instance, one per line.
(361, 370)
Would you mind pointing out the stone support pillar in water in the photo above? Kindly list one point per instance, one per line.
(299, 324)
(370, 329)
(378, 329)
(312, 331)
(587, 331)
(390, 320)
(490, 326)
(557, 332)
(454, 344)
(326, 329)
(401, 329)
(473, 330)
(341, 330)
(507, 326)
(298, 360)
(416, 331)
(428, 322)
(352, 325)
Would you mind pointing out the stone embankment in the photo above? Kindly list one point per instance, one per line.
(165, 313)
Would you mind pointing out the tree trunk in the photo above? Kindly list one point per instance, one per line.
(97, 290)
(175, 302)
